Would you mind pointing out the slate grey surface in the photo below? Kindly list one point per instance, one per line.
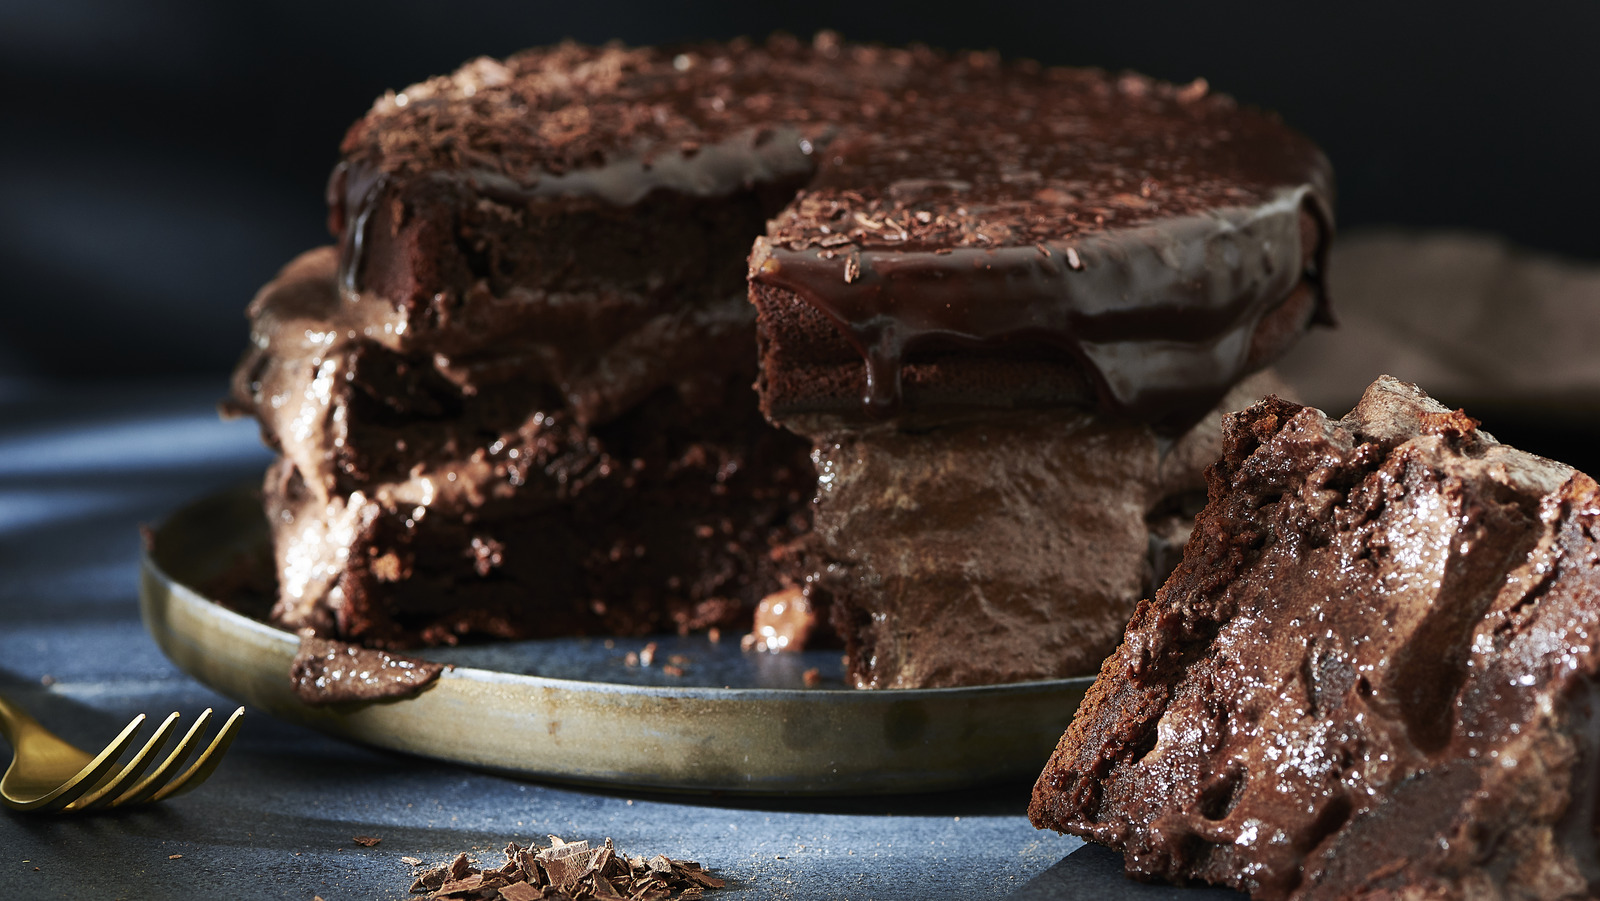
(1094, 873)
(81, 468)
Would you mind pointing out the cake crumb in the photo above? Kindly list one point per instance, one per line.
(812, 677)
(1454, 424)
(366, 841)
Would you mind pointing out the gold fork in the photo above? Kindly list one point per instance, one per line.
(47, 774)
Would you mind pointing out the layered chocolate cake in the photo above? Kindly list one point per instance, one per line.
(1372, 675)
(994, 307)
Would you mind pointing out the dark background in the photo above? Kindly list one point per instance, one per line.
(160, 160)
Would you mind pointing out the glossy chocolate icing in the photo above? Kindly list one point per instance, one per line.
(1372, 675)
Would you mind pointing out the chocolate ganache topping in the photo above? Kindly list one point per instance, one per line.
(1140, 229)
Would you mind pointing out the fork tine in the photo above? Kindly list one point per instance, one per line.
(109, 789)
(157, 779)
(206, 763)
(92, 772)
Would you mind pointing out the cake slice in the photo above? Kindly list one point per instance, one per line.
(1372, 675)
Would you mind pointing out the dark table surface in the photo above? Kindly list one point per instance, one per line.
(82, 467)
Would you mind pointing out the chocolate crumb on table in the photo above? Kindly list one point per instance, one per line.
(568, 870)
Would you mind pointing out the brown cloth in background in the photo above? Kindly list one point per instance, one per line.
(1511, 335)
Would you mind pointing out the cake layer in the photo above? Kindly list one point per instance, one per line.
(1002, 550)
(1373, 673)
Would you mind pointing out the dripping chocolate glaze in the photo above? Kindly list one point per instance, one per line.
(347, 192)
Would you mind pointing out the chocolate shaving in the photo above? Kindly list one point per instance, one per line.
(366, 841)
(569, 870)
(428, 881)
(460, 886)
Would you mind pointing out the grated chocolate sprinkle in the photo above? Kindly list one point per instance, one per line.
(570, 871)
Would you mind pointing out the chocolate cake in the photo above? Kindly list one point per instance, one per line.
(993, 305)
(1372, 675)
